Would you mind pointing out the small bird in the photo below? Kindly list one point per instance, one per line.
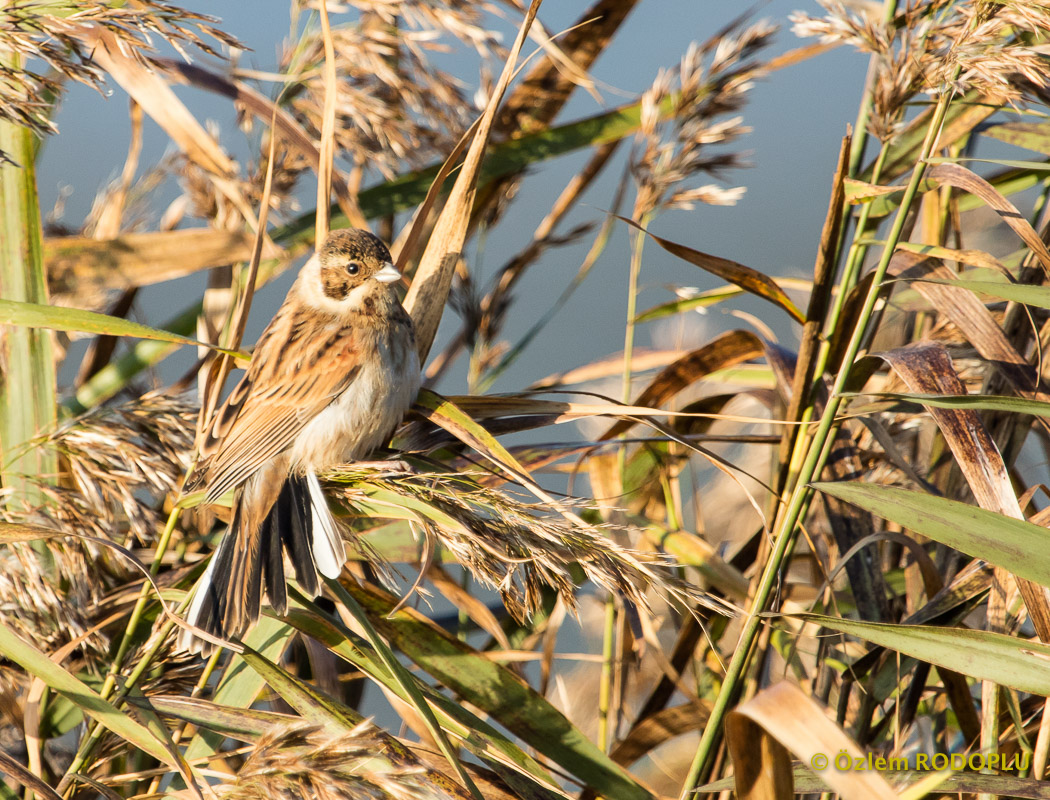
(330, 378)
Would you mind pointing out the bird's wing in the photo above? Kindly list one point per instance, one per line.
(297, 369)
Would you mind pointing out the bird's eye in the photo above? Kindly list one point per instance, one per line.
(353, 267)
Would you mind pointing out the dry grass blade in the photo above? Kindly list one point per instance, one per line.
(78, 264)
(158, 100)
(962, 178)
(748, 279)
(816, 312)
(727, 350)
(927, 369)
(971, 317)
(426, 297)
(782, 718)
(547, 86)
(19, 773)
(641, 361)
(502, 406)
(975, 258)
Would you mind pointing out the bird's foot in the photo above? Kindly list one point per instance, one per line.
(386, 465)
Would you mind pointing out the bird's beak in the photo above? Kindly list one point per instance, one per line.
(388, 274)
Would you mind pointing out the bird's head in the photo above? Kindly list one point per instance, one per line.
(352, 269)
(351, 258)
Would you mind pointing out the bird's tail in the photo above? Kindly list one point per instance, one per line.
(250, 559)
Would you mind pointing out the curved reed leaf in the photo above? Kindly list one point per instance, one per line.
(1015, 292)
(501, 694)
(1014, 544)
(57, 318)
(761, 732)
(748, 279)
(239, 685)
(476, 735)
(1004, 660)
(978, 402)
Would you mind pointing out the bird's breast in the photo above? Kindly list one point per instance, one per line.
(359, 419)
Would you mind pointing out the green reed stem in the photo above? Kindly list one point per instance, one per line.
(815, 457)
(606, 726)
(605, 681)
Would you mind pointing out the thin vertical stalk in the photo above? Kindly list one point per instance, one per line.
(784, 534)
(605, 685)
(605, 681)
(632, 312)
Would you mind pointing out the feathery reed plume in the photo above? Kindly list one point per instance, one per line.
(394, 107)
(122, 460)
(674, 146)
(118, 462)
(516, 547)
(304, 762)
(41, 33)
(991, 43)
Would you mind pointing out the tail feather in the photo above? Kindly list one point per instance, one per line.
(328, 547)
(273, 566)
(249, 560)
(297, 534)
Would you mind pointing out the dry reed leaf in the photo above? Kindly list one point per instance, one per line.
(501, 406)
(727, 350)
(547, 86)
(748, 279)
(962, 178)
(782, 719)
(158, 100)
(426, 297)
(975, 258)
(970, 316)
(858, 191)
(658, 728)
(800, 377)
(926, 368)
(19, 773)
(76, 263)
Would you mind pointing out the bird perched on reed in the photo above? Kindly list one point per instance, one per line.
(330, 378)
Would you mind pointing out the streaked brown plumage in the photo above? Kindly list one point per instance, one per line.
(330, 378)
